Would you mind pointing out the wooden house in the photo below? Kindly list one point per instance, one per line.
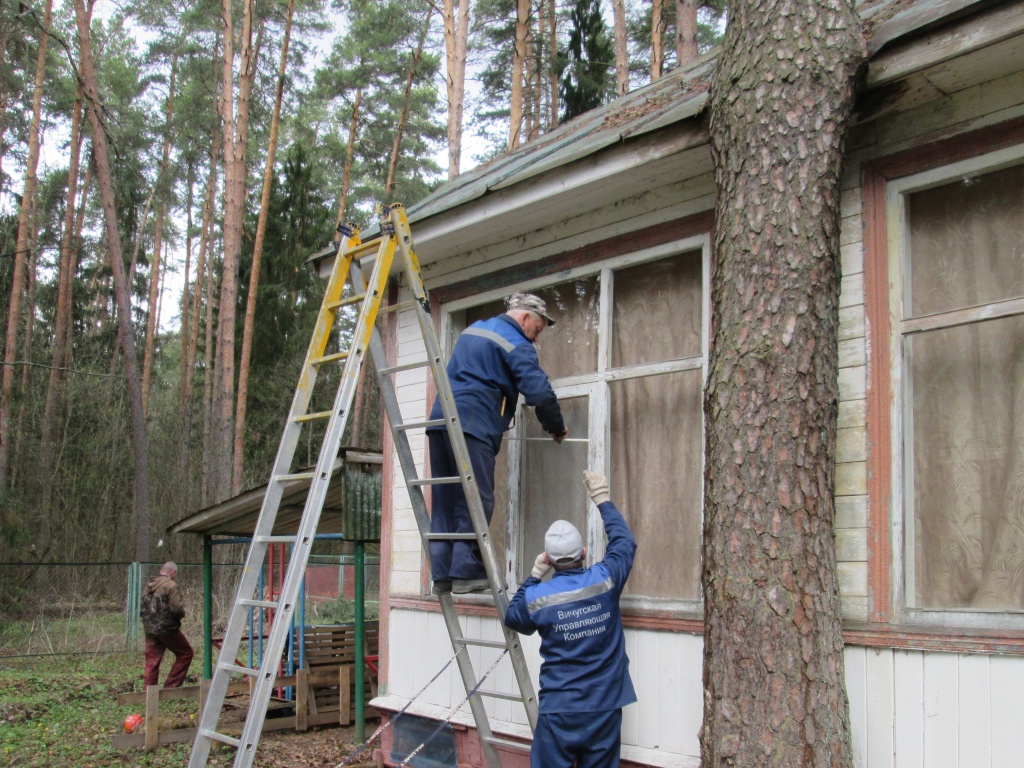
(609, 218)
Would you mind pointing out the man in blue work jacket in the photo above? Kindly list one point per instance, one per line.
(493, 362)
(584, 676)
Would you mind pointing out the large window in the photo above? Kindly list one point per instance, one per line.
(627, 359)
(957, 256)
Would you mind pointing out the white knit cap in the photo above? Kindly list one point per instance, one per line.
(563, 543)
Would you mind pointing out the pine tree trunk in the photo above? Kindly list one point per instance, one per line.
(238, 449)
(518, 67)
(62, 319)
(236, 127)
(14, 312)
(657, 40)
(346, 175)
(780, 105)
(686, 32)
(552, 69)
(410, 77)
(621, 49)
(456, 38)
(158, 240)
(139, 437)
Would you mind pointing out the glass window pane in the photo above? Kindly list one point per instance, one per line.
(657, 311)
(968, 465)
(569, 347)
(966, 242)
(656, 471)
(551, 479)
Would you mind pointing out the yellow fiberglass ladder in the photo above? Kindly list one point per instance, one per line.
(367, 295)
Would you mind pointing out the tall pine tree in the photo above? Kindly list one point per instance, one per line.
(588, 61)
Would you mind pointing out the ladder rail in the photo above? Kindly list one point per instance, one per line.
(281, 627)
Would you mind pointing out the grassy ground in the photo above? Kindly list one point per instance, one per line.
(62, 712)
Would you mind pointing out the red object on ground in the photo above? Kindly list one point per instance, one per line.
(132, 723)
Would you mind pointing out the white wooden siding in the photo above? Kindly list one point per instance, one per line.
(908, 709)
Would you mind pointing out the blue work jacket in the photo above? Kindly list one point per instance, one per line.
(585, 667)
(491, 364)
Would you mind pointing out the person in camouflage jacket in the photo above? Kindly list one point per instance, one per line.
(162, 612)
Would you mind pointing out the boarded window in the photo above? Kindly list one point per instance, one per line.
(963, 349)
(637, 418)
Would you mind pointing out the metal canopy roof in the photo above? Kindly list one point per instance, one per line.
(352, 506)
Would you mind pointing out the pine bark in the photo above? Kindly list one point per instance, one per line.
(552, 69)
(686, 32)
(126, 338)
(456, 38)
(518, 68)
(62, 317)
(346, 174)
(403, 117)
(621, 50)
(657, 39)
(236, 128)
(780, 104)
(158, 241)
(14, 311)
(238, 448)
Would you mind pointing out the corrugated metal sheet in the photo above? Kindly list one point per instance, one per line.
(352, 507)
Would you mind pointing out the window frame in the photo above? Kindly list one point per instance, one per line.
(897, 188)
(595, 385)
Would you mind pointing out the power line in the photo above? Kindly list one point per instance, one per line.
(58, 368)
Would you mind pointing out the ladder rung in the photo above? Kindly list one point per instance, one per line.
(234, 668)
(346, 301)
(221, 737)
(329, 358)
(507, 744)
(500, 695)
(365, 249)
(313, 416)
(295, 476)
(449, 536)
(259, 603)
(436, 480)
(419, 424)
(481, 643)
(404, 367)
(398, 307)
(277, 539)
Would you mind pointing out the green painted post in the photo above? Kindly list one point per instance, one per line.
(207, 607)
(360, 589)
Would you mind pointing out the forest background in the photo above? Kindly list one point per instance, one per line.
(166, 168)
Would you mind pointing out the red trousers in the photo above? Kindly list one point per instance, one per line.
(176, 643)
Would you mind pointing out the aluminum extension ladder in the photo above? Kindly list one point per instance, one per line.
(395, 236)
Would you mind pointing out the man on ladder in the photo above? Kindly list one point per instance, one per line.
(493, 362)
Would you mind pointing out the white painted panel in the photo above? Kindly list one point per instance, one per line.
(648, 667)
(974, 711)
(853, 382)
(669, 691)
(852, 479)
(691, 710)
(852, 512)
(854, 608)
(853, 580)
(852, 352)
(852, 444)
(856, 692)
(851, 325)
(1007, 704)
(631, 714)
(851, 255)
(941, 693)
(909, 714)
(852, 413)
(851, 290)
(879, 680)
(851, 545)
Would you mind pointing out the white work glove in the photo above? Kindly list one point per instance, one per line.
(597, 486)
(541, 566)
